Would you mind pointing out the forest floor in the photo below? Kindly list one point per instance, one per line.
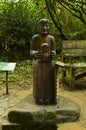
(17, 92)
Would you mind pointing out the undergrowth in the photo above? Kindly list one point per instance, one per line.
(20, 76)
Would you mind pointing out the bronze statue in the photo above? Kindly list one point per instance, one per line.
(43, 51)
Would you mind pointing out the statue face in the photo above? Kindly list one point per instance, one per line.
(44, 27)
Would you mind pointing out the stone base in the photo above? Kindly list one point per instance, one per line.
(29, 127)
(27, 114)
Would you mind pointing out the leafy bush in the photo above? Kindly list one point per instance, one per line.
(18, 22)
(17, 25)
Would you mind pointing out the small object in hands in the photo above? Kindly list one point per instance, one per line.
(45, 52)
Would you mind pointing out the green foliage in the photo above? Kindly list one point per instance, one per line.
(72, 27)
(18, 22)
(17, 25)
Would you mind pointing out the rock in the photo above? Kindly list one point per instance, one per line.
(27, 110)
(21, 117)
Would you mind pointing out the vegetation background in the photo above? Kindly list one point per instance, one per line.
(18, 23)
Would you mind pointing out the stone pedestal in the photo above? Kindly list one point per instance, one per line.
(26, 114)
(29, 127)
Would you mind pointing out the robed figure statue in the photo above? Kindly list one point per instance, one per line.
(42, 50)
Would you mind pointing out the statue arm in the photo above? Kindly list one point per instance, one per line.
(34, 50)
(53, 47)
(33, 47)
(32, 53)
(35, 54)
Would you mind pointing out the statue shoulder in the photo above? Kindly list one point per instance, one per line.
(35, 37)
(52, 39)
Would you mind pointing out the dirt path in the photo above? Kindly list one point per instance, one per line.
(17, 93)
(78, 96)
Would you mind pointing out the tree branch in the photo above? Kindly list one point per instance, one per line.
(79, 12)
(54, 16)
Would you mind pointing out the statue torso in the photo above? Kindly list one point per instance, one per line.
(38, 41)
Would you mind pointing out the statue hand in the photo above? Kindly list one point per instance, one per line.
(52, 54)
(38, 54)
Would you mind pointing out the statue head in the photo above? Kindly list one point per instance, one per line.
(43, 27)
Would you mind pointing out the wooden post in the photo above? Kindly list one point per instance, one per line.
(55, 83)
(63, 70)
(72, 81)
(6, 82)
